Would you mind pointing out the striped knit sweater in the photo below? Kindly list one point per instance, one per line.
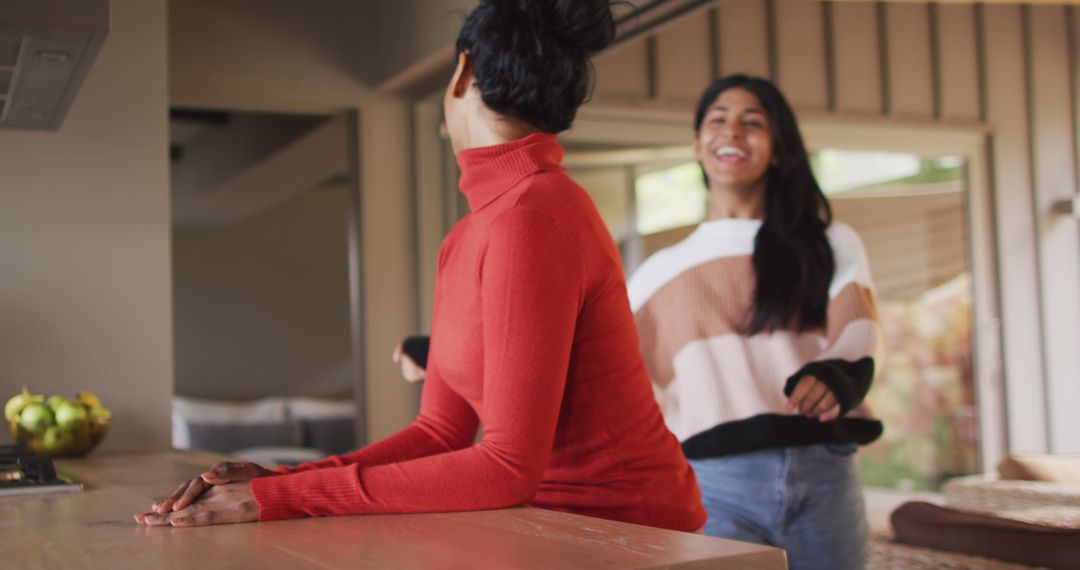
(723, 392)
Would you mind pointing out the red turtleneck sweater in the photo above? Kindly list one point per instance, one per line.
(533, 338)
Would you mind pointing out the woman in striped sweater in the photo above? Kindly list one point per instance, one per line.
(759, 330)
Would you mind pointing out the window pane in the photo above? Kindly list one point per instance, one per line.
(909, 212)
(670, 198)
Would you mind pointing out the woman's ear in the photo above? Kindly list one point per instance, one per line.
(463, 76)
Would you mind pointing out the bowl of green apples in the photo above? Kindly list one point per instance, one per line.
(57, 426)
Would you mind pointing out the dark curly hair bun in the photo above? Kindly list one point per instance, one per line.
(531, 57)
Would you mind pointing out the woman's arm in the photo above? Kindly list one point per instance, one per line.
(838, 380)
(531, 290)
(445, 423)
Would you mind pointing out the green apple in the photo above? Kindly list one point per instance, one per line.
(35, 418)
(69, 415)
(55, 402)
(18, 402)
(57, 439)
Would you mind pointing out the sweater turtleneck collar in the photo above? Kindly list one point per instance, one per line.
(488, 172)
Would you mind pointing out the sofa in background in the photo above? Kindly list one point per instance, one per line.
(278, 430)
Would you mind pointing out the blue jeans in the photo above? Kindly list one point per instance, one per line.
(806, 500)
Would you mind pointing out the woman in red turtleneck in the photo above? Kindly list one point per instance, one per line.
(532, 334)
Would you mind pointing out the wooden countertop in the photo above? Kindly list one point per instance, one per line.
(94, 529)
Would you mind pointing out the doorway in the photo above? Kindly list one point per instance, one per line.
(893, 182)
(260, 238)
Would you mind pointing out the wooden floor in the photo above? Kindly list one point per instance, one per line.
(880, 503)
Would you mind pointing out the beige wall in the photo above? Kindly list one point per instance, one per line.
(261, 307)
(405, 36)
(85, 291)
(285, 56)
(1005, 68)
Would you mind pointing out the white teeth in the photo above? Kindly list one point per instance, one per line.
(729, 151)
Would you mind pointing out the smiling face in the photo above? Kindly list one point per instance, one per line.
(734, 142)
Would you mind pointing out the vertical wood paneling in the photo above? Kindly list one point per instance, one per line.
(429, 203)
(958, 62)
(857, 58)
(1059, 242)
(623, 74)
(1006, 101)
(744, 38)
(910, 81)
(986, 311)
(684, 59)
(1074, 73)
(800, 40)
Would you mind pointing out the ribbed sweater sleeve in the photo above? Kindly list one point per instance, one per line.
(445, 423)
(852, 333)
(531, 294)
(848, 381)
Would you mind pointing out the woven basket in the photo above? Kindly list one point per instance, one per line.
(1038, 502)
(887, 555)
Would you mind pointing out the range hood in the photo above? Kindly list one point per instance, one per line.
(46, 49)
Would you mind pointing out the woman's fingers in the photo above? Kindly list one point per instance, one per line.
(193, 517)
(221, 473)
(830, 415)
(802, 387)
(411, 371)
(194, 490)
(810, 402)
(153, 519)
(229, 472)
(805, 396)
(183, 499)
(167, 503)
(812, 397)
(826, 403)
(221, 504)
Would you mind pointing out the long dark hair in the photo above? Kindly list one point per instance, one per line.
(792, 259)
(531, 57)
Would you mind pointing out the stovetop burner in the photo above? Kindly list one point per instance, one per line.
(22, 471)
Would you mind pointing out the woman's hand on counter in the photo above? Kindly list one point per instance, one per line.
(219, 504)
(221, 473)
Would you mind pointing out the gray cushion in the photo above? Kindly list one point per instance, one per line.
(227, 438)
(331, 435)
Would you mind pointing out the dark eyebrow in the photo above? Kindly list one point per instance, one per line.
(750, 110)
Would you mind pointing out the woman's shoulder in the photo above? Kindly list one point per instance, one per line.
(710, 241)
(843, 235)
(846, 244)
(663, 266)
